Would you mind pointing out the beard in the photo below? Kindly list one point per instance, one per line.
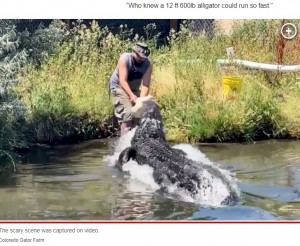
(137, 63)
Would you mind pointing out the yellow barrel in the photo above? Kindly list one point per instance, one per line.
(231, 84)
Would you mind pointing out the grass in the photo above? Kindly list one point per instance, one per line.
(68, 95)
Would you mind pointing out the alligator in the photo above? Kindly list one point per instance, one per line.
(171, 166)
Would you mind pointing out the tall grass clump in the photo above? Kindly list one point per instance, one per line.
(190, 91)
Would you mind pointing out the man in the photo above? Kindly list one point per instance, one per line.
(131, 79)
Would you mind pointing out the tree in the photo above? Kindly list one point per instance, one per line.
(18, 47)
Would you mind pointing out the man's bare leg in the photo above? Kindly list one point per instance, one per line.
(125, 127)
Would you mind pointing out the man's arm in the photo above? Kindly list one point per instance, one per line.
(123, 75)
(146, 82)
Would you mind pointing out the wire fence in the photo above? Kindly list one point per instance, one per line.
(162, 26)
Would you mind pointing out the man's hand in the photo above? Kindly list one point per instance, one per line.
(133, 98)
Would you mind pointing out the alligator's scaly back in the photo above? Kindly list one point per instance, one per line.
(171, 166)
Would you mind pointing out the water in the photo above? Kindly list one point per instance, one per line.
(77, 182)
(212, 193)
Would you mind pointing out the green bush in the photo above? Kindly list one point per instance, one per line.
(72, 86)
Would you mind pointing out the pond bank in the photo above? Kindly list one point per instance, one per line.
(50, 133)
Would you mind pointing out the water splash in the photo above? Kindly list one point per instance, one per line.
(122, 143)
(140, 175)
(193, 153)
(213, 190)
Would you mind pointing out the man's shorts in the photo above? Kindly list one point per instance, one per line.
(122, 104)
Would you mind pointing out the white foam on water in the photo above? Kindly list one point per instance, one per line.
(213, 190)
(122, 143)
(141, 176)
(141, 173)
(193, 153)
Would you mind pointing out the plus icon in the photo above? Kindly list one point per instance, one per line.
(288, 30)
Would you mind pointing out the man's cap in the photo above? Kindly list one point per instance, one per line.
(141, 49)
